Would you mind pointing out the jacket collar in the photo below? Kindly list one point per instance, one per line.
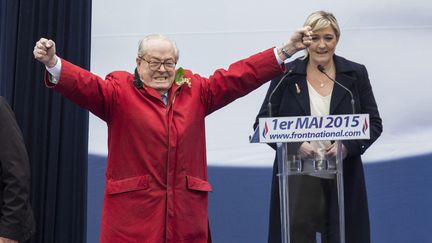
(298, 84)
(152, 92)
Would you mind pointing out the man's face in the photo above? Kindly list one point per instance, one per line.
(157, 67)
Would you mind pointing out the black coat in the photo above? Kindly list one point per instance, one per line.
(16, 216)
(287, 101)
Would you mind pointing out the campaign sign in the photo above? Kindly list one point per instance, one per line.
(313, 128)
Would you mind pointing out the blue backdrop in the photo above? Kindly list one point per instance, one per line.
(399, 194)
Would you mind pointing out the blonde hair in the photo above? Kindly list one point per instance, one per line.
(319, 20)
(143, 44)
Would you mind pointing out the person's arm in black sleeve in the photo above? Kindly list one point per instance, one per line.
(16, 217)
(368, 106)
(275, 101)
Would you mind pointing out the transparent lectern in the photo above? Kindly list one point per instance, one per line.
(311, 188)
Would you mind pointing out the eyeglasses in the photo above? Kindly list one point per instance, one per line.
(155, 65)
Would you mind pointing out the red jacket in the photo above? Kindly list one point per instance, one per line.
(156, 180)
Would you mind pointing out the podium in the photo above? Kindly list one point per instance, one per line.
(311, 188)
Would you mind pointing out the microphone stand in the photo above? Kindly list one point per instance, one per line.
(322, 70)
(269, 104)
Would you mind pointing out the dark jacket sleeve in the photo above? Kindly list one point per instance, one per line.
(275, 101)
(274, 94)
(16, 217)
(369, 106)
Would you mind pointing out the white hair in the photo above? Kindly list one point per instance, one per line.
(143, 44)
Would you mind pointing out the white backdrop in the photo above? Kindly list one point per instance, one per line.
(391, 37)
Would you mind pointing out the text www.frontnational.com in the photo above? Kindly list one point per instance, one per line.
(322, 134)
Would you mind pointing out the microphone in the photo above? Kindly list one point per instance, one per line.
(322, 69)
(269, 104)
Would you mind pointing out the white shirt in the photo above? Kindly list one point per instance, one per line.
(319, 106)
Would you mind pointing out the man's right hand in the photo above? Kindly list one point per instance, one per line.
(45, 52)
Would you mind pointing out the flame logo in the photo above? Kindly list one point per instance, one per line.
(265, 130)
(365, 126)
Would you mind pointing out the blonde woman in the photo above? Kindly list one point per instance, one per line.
(307, 91)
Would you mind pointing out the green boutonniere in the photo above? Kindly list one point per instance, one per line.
(179, 78)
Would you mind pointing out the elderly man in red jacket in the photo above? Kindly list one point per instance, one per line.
(156, 179)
